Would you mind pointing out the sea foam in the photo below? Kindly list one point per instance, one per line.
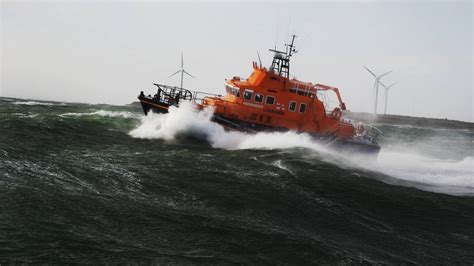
(32, 103)
(104, 113)
(187, 120)
(407, 165)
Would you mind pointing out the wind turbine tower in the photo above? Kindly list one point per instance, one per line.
(386, 94)
(376, 86)
(182, 71)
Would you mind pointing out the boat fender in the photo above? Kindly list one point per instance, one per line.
(336, 113)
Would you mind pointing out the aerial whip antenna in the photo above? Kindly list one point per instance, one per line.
(277, 33)
(259, 60)
(288, 31)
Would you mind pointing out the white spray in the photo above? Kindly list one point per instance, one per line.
(405, 165)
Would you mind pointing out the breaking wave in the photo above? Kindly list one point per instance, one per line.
(403, 165)
(185, 120)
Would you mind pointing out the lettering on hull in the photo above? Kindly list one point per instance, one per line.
(253, 105)
(273, 111)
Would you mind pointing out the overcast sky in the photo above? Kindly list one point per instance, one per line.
(104, 52)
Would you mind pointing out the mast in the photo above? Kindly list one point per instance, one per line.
(281, 60)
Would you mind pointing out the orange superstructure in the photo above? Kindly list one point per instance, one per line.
(270, 99)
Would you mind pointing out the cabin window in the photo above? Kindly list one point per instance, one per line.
(302, 107)
(270, 100)
(292, 106)
(232, 90)
(258, 97)
(247, 95)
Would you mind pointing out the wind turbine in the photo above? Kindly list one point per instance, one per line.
(376, 86)
(386, 94)
(182, 71)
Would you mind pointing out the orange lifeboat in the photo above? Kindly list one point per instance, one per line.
(269, 100)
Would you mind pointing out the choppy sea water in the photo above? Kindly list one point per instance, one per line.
(86, 183)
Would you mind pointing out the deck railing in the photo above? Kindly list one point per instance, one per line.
(172, 94)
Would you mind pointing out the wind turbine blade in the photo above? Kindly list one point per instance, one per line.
(386, 73)
(182, 61)
(375, 76)
(174, 73)
(188, 74)
(383, 85)
(391, 86)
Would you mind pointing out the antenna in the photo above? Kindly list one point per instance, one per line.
(288, 30)
(277, 33)
(292, 49)
(276, 37)
(259, 60)
(386, 94)
(182, 71)
(376, 86)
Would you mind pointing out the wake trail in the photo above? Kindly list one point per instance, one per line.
(406, 165)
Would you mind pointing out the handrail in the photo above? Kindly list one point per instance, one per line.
(372, 134)
(172, 92)
(206, 95)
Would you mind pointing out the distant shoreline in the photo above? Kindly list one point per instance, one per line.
(356, 116)
(409, 120)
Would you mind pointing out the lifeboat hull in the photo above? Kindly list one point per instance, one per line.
(347, 146)
(150, 104)
(341, 145)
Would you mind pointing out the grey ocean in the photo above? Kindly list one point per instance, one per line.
(84, 183)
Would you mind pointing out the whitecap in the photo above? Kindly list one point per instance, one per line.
(103, 113)
(35, 103)
(405, 165)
